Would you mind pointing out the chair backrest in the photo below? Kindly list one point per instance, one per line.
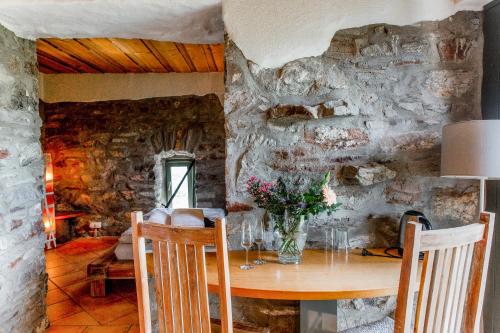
(192, 217)
(180, 275)
(452, 279)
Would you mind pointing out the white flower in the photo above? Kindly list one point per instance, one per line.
(329, 196)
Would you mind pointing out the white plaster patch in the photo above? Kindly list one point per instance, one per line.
(272, 33)
(185, 21)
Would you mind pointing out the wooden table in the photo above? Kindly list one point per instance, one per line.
(321, 276)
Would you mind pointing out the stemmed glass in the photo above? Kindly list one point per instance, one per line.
(259, 238)
(246, 242)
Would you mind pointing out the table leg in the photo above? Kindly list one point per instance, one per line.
(318, 316)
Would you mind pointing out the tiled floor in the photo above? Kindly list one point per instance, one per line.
(71, 309)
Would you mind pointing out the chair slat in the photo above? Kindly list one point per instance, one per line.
(454, 326)
(423, 294)
(202, 283)
(464, 283)
(450, 294)
(176, 287)
(185, 297)
(159, 289)
(193, 288)
(167, 287)
(430, 313)
(443, 287)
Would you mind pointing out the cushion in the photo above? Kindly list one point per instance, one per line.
(124, 251)
(385, 325)
(126, 237)
(188, 218)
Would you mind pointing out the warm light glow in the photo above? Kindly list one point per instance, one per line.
(49, 176)
(49, 216)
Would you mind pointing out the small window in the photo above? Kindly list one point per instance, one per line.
(177, 171)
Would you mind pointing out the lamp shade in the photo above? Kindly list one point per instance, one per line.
(471, 149)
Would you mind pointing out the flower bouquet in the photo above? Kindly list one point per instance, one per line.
(290, 208)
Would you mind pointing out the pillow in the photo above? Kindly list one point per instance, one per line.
(158, 216)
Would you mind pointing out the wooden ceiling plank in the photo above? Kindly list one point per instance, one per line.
(54, 65)
(171, 53)
(212, 66)
(48, 49)
(218, 53)
(107, 50)
(161, 58)
(186, 56)
(139, 52)
(85, 54)
(46, 70)
(197, 56)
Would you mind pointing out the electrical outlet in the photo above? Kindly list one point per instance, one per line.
(95, 225)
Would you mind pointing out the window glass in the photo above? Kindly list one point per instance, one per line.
(176, 169)
(181, 199)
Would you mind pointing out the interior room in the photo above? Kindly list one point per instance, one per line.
(249, 166)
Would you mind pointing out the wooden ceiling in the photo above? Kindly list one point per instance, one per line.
(114, 55)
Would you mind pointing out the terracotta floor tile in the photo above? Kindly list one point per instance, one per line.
(78, 319)
(64, 269)
(54, 260)
(106, 313)
(62, 309)
(55, 296)
(66, 329)
(134, 329)
(108, 329)
(80, 293)
(131, 318)
(69, 279)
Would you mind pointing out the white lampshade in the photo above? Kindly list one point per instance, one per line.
(471, 149)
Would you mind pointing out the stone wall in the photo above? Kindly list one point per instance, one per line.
(104, 153)
(370, 110)
(23, 281)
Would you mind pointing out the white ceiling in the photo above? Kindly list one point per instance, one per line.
(272, 33)
(185, 21)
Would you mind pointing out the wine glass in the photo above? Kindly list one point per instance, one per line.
(259, 238)
(246, 242)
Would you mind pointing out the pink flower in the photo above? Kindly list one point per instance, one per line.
(329, 196)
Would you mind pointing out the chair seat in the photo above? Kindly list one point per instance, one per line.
(238, 327)
(385, 325)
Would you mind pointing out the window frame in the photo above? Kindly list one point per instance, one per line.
(170, 162)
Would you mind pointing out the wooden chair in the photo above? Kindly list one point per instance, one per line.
(451, 283)
(181, 279)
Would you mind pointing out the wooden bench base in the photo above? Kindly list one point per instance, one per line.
(108, 267)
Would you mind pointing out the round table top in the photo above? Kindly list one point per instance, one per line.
(322, 275)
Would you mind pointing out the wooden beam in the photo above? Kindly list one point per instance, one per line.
(85, 54)
(44, 47)
(138, 51)
(218, 54)
(161, 58)
(198, 57)
(54, 65)
(170, 51)
(186, 57)
(107, 50)
(212, 66)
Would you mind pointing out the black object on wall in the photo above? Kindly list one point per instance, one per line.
(491, 110)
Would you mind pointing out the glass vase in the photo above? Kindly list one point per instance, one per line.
(290, 236)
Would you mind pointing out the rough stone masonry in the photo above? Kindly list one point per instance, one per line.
(104, 154)
(23, 281)
(370, 110)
